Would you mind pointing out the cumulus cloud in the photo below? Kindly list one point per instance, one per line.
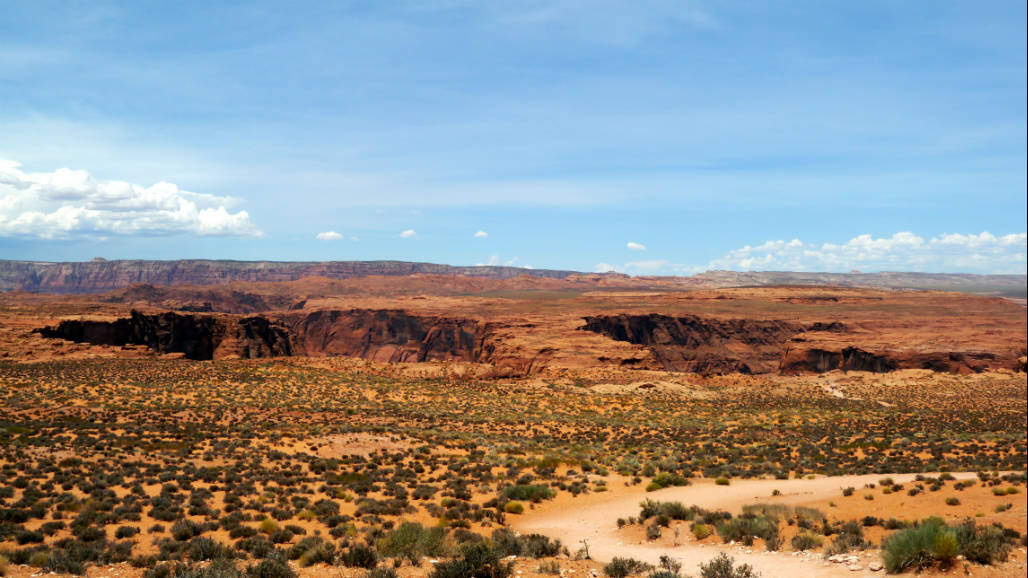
(329, 236)
(67, 203)
(409, 234)
(632, 246)
(904, 251)
(480, 234)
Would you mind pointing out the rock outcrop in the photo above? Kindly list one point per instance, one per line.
(806, 358)
(386, 335)
(701, 345)
(199, 337)
(714, 346)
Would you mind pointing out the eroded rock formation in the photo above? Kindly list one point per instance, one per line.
(708, 346)
(386, 335)
(199, 337)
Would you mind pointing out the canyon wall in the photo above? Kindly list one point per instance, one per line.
(199, 337)
(684, 343)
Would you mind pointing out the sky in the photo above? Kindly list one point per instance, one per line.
(647, 137)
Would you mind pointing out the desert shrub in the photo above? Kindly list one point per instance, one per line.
(257, 546)
(125, 532)
(530, 493)
(674, 510)
(913, 547)
(549, 567)
(411, 541)
(665, 480)
(506, 543)
(218, 568)
(61, 562)
(514, 508)
(476, 561)
(700, 530)
(653, 531)
(982, 544)
(271, 567)
(202, 548)
(667, 568)
(321, 552)
(28, 537)
(932, 542)
(622, 567)
(359, 556)
(269, 526)
(723, 566)
(850, 537)
(183, 530)
(806, 541)
(745, 528)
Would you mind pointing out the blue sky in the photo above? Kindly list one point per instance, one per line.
(647, 137)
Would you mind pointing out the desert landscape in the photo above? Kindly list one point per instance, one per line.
(513, 289)
(413, 422)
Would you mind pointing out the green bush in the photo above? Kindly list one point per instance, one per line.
(932, 542)
(528, 493)
(359, 556)
(411, 541)
(724, 566)
(477, 561)
(745, 528)
(806, 541)
(665, 480)
(506, 543)
(271, 567)
(622, 567)
(674, 510)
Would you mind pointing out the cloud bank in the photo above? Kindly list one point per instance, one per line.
(68, 204)
(904, 251)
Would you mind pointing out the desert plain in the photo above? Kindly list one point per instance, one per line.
(449, 424)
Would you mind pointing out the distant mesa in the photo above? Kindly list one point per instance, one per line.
(100, 275)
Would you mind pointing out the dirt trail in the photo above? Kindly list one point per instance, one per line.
(592, 518)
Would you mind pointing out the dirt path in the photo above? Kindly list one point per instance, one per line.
(593, 519)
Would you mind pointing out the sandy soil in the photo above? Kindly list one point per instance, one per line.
(591, 520)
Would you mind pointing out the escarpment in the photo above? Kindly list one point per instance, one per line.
(715, 346)
(708, 346)
(102, 275)
(526, 343)
(199, 337)
(387, 335)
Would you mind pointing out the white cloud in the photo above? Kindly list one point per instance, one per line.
(68, 203)
(329, 236)
(635, 246)
(480, 234)
(904, 251)
(605, 268)
(409, 234)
